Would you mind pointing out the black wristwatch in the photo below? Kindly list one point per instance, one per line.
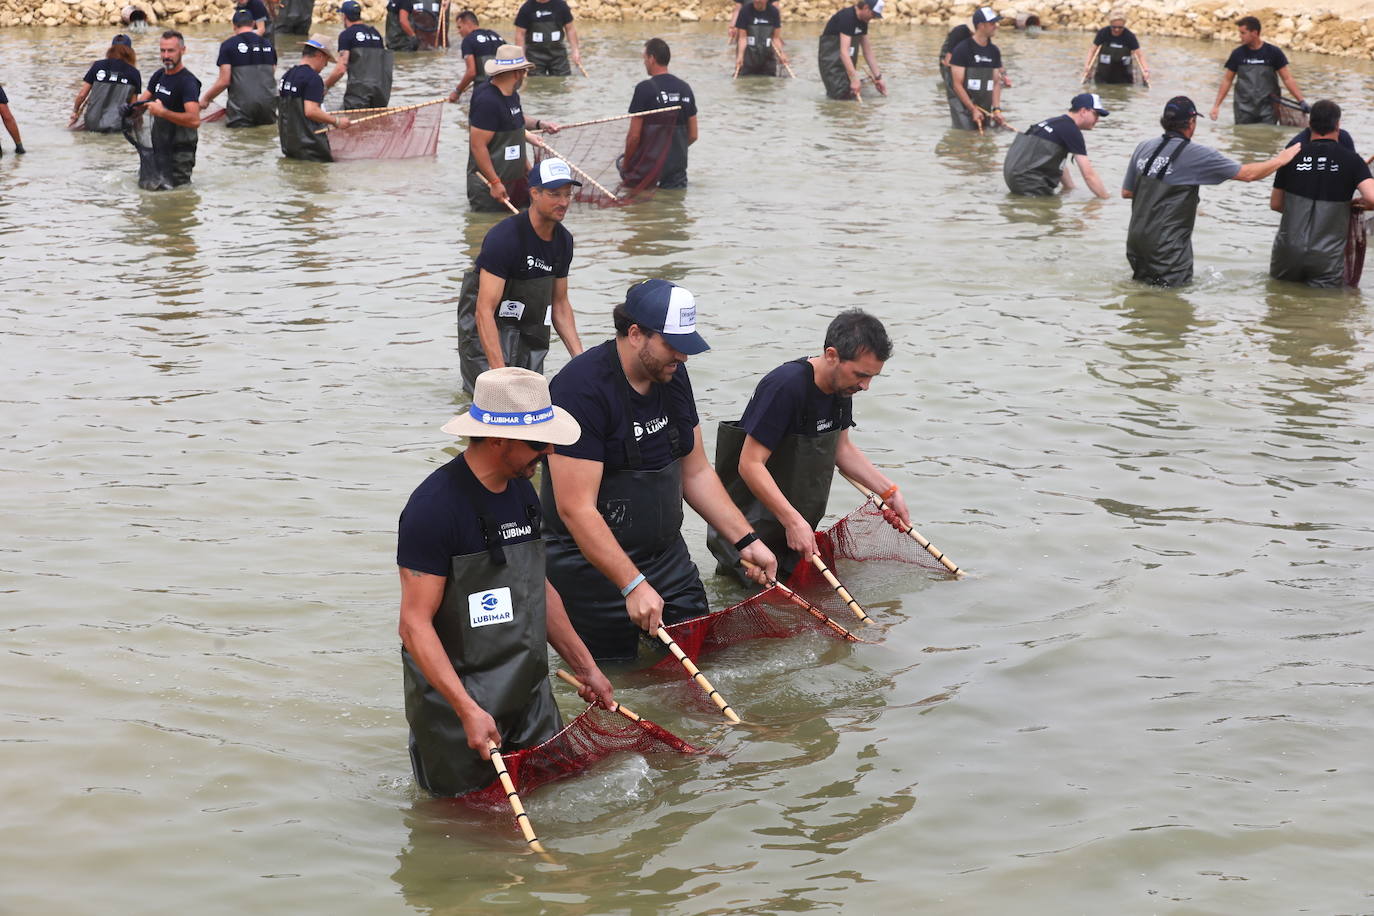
(745, 541)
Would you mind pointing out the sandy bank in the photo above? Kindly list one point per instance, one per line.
(1329, 27)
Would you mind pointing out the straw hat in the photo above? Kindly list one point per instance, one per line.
(512, 403)
(322, 44)
(508, 59)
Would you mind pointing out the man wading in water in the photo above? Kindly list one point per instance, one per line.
(1035, 166)
(1256, 68)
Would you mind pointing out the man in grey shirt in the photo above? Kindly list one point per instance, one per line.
(1162, 182)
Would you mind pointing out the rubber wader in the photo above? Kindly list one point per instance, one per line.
(369, 78)
(174, 148)
(101, 113)
(832, 66)
(297, 132)
(1309, 246)
(1256, 85)
(252, 96)
(1114, 64)
(1159, 242)
(1033, 165)
(978, 83)
(507, 151)
(759, 56)
(546, 49)
(522, 322)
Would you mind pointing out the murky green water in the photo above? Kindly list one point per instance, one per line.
(1155, 694)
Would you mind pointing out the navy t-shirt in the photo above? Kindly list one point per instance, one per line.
(971, 54)
(749, 16)
(1305, 135)
(1126, 39)
(548, 17)
(1061, 130)
(662, 91)
(786, 401)
(490, 110)
(589, 387)
(4, 99)
(359, 35)
(513, 250)
(481, 43)
(114, 70)
(1267, 56)
(245, 50)
(174, 90)
(957, 36)
(439, 521)
(256, 7)
(846, 22)
(302, 82)
(1324, 170)
(395, 6)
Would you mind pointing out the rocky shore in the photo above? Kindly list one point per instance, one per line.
(1299, 26)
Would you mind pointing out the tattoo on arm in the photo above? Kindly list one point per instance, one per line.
(414, 574)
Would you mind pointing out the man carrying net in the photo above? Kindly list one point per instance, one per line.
(302, 105)
(476, 608)
(497, 164)
(109, 84)
(173, 100)
(660, 90)
(778, 460)
(613, 500)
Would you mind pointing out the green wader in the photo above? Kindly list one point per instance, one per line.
(297, 133)
(978, 83)
(802, 467)
(396, 37)
(760, 59)
(507, 150)
(369, 78)
(1253, 103)
(1310, 244)
(1159, 242)
(295, 17)
(101, 114)
(832, 66)
(492, 624)
(546, 49)
(252, 96)
(174, 148)
(1033, 165)
(1114, 64)
(643, 509)
(522, 323)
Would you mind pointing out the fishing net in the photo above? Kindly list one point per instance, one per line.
(154, 173)
(1354, 245)
(592, 736)
(397, 135)
(596, 153)
(1289, 114)
(212, 113)
(863, 536)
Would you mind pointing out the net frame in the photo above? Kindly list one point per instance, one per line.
(408, 134)
(596, 152)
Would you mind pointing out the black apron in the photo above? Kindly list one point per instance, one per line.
(521, 322)
(425, 16)
(978, 83)
(369, 78)
(1033, 165)
(297, 133)
(1159, 242)
(396, 37)
(546, 49)
(295, 17)
(759, 57)
(252, 96)
(1253, 102)
(802, 467)
(174, 149)
(643, 509)
(1310, 244)
(101, 113)
(832, 65)
(507, 151)
(1113, 64)
(503, 666)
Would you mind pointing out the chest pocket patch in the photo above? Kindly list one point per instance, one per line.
(492, 607)
(511, 309)
(512, 153)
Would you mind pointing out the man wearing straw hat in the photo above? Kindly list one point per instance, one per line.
(497, 164)
(476, 608)
(247, 68)
(302, 105)
(518, 288)
(363, 56)
(613, 500)
(778, 460)
(845, 34)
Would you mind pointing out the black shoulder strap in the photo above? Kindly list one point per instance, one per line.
(1183, 141)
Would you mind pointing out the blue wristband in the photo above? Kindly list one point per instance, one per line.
(634, 583)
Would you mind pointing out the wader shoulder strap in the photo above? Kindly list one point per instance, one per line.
(1159, 149)
(808, 409)
(478, 496)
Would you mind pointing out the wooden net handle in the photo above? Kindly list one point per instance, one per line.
(513, 797)
(505, 200)
(696, 675)
(578, 685)
(539, 141)
(805, 605)
(906, 529)
(839, 588)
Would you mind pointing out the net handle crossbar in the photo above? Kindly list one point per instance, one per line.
(805, 605)
(839, 588)
(619, 117)
(382, 114)
(505, 200)
(695, 673)
(539, 142)
(513, 797)
(906, 529)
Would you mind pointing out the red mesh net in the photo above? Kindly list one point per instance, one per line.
(1354, 246)
(596, 153)
(864, 536)
(1289, 114)
(213, 112)
(398, 135)
(592, 736)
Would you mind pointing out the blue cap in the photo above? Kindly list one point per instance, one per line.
(1089, 100)
(985, 14)
(352, 9)
(668, 309)
(1180, 106)
(122, 39)
(242, 17)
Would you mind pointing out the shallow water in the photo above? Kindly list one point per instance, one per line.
(1152, 695)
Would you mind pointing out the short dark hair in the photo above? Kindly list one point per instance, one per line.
(173, 33)
(1249, 22)
(620, 317)
(853, 331)
(468, 16)
(657, 48)
(1325, 117)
